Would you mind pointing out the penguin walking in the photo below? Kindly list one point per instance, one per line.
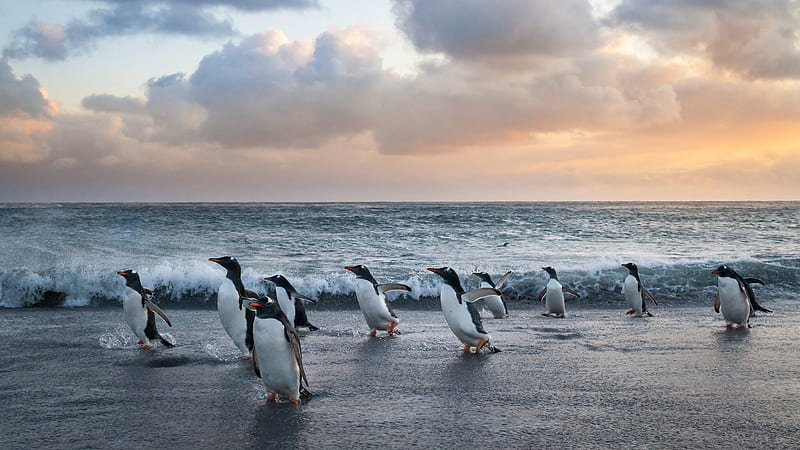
(553, 294)
(371, 298)
(236, 319)
(496, 304)
(635, 293)
(278, 351)
(140, 311)
(291, 302)
(460, 312)
(735, 298)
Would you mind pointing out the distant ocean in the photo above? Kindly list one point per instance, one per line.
(68, 254)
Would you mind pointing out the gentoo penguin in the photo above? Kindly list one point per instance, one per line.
(236, 319)
(635, 292)
(735, 298)
(553, 294)
(496, 304)
(291, 302)
(371, 298)
(140, 312)
(460, 313)
(278, 351)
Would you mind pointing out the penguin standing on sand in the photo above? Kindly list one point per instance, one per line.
(236, 319)
(280, 358)
(735, 298)
(496, 304)
(371, 298)
(291, 302)
(635, 293)
(140, 312)
(553, 294)
(461, 314)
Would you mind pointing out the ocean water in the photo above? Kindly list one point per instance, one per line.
(72, 376)
(68, 255)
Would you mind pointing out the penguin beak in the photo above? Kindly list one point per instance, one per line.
(433, 270)
(269, 278)
(475, 273)
(121, 273)
(351, 269)
(251, 306)
(715, 272)
(214, 259)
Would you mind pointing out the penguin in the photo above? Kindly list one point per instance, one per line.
(371, 298)
(460, 312)
(140, 311)
(735, 298)
(496, 304)
(635, 293)
(277, 348)
(553, 294)
(236, 319)
(291, 302)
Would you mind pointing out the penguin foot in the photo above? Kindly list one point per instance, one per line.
(392, 327)
(145, 347)
(546, 314)
(312, 328)
(480, 345)
(245, 357)
(630, 311)
(271, 398)
(465, 349)
(141, 342)
(294, 401)
(373, 333)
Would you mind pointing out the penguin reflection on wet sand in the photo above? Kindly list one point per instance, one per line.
(236, 319)
(460, 312)
(371, 298)
(553, 294)
(496, 304)
(140, 312)
(635, 293)
(277, 348)
(291, 302)
(735, 298)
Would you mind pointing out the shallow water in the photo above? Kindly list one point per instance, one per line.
(74, 378)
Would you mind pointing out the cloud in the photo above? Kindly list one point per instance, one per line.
(113, 104)
(479, 30)
(57, 42)
(755, 39)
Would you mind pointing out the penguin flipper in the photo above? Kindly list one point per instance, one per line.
(716, 303)
(294, 342)
(149, 292)
(541, 294)
(476, 318)
(166, 343)
(473, 295)
(386, 287)
(752, 296)
(256, 367)
(249, 317)
(297, 296)
(152, 307)
(754, 280)
(502, 280)
(570, 291)
(649, 295)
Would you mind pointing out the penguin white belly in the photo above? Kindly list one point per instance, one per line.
(632, 295)
(373, 306)
(232, 318)
(458, 318)
(494, 303)
(135, 313)
(733, 303)
(286, 303)
(554, 298)
(280, 372)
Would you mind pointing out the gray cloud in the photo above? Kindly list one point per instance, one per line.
(122, 17)
(756, 39)
(480, 30)
(113, 104)
(21, 96)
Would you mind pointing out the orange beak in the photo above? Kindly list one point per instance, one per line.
(121, 273)
(349, 268)
(255, 304)
(214, 259)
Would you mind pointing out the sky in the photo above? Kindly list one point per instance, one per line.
(399, 100)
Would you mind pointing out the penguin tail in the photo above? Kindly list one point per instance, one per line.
(492, 348)
(166, 343)
(305, 394)
(312, 327)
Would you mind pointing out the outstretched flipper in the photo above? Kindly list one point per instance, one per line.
(752, 295)
(502, 280)
(386, 287)
(152, 307)
(649, 295)
(754, 280)
(303, 297)
(570, 291)
(473, 295)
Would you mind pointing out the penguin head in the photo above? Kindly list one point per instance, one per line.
(265, 308)
(228, 262)
(449, 276)
(131, 278)
(281, 281)
(361, 271)
(631, 268)
(551, 271)
(724, 271)
(484, 277)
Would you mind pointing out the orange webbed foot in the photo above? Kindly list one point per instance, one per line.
(294, 401)
(373, 333)
(146, 347)
(631, 311)
(466, 349)
(271, 398)
(392, 327)
(141, 342)
(480, 345)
